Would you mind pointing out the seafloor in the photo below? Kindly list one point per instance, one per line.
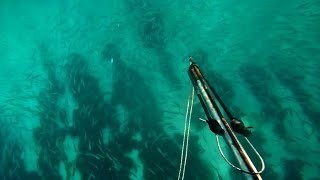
(99, 89)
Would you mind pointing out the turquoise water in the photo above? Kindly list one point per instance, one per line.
(99, 89)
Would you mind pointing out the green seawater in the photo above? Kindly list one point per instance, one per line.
(99, 89)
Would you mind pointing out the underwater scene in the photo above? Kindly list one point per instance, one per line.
(102, 89)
